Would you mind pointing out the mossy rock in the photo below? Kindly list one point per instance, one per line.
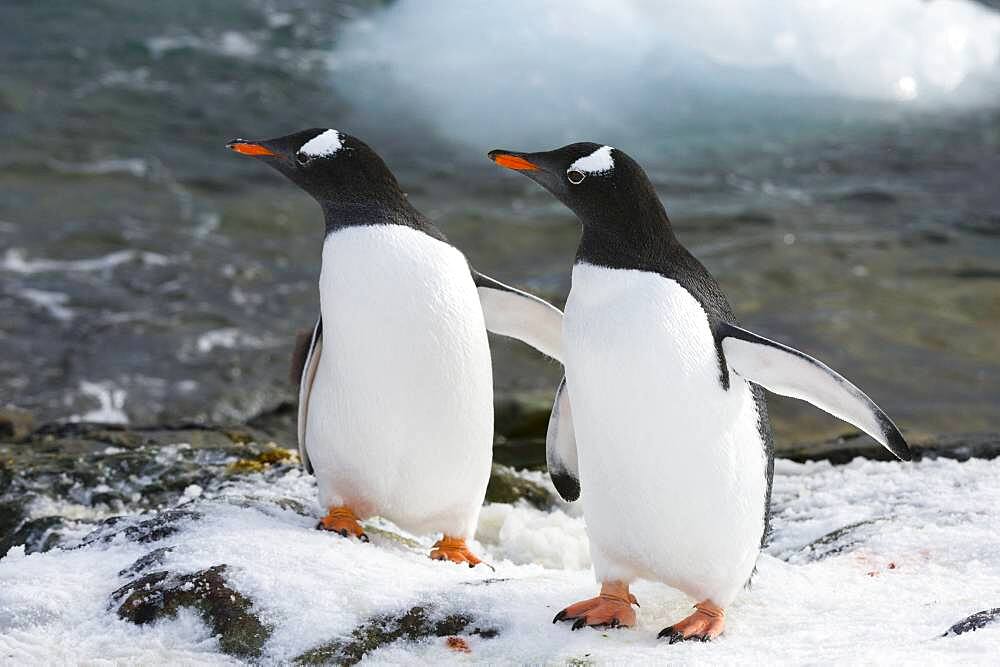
(506, 486)
(227, 611)
(15, 424)
(416, 624)
(262, 461)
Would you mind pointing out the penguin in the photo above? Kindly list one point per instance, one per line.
(395, 413)
(661, 415)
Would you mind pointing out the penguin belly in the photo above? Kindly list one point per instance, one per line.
(672, 466)
(400, 420)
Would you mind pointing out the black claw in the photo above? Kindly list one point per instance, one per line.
(706, 638)
(579, 623)
(614, 623)
(343, 532)
(676, 637)
(666, 632)
(364, 537)
(560, 616)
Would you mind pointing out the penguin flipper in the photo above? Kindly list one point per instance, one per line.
(789, 372)
(305, 388)
(560, 447)
(511, 312)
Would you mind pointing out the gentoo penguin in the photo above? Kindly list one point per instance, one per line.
(396, 392)
(661, 416)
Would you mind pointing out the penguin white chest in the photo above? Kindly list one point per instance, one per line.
(672, 465)
(400, 420)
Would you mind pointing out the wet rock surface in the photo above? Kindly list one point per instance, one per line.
(225, 610)
(416, 624)
(974, 622)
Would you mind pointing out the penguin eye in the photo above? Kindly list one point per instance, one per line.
(575, 177)
(302, 158)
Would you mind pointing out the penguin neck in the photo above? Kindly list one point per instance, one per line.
(635, 234)
(397, 211)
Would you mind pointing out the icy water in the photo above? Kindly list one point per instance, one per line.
(146, 273)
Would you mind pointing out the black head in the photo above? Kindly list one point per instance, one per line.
(601, 184)
(624, 223)
(338, 170)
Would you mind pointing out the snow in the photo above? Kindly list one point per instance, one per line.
(598, 162)
(322, 145)
(930, 558)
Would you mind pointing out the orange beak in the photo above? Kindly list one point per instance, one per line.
(248, 148)
(513, 162)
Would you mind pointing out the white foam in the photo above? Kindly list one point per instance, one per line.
(51, 302)
(615, 69)
(14, 260)
(598, 162)
(323, 145)
(111, 400)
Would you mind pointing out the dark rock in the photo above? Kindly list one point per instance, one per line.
(39, 535)
(15, 424)
(836, 541)
(507, 487)
(525, 453)
(974, 622)
(960, 446)
(522, 417)
(143, 563)
(227, 611)
(11, 516)
(415, 624)
(162, 525)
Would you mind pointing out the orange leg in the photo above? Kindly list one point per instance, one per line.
(454, 549)
(705, 624)
(341, 520)
(612, 608)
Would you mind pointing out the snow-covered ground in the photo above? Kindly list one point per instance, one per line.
(923, 553)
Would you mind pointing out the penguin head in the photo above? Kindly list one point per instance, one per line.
(606, 188)
(334, 167)
(584, 176)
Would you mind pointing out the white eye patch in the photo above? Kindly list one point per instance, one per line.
(598, 162)
(322, 145)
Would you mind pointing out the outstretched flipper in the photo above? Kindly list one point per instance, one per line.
(511, 312)
(560, 447)
(307, 376)
(786, 371)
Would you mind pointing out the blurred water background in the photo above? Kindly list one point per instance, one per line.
(833, 163)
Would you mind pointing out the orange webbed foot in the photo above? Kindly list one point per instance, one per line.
(341, 520)
(455, 550)
(612, 609)
(705, 624)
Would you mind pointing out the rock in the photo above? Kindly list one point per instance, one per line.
(263, 460)
(143, 563)
(15, 424)
(974, 622)
(834, 542)
(415, 624)
(161, 525)
(522, 416)
(227, 611)
(505, 486)
(37, 535)
(960, 446)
